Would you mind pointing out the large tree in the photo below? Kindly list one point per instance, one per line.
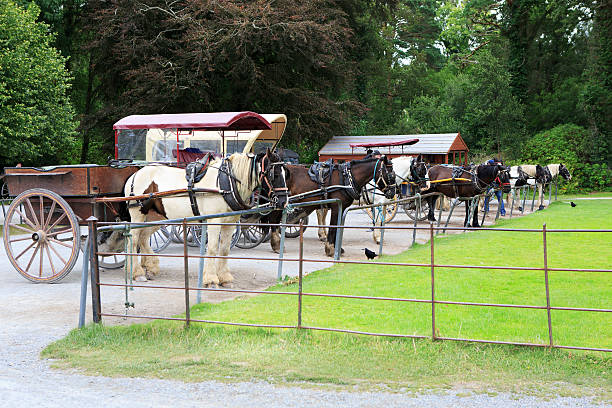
(36, 118)
(194, 55)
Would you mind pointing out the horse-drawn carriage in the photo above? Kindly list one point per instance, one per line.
(43, 226)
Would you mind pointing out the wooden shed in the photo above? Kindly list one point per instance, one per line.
(435, 148)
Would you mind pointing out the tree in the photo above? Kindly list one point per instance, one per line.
(193, 55)
(37, 124)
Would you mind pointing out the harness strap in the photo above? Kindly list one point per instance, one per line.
(227, 185)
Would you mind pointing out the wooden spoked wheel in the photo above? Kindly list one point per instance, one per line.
(294, 231)
(251, 236)
(390, 211)
(41, 236)
(411, 210)
(161, 238)
(194, 234)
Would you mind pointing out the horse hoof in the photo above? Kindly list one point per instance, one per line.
(520, 208)
(342, 250)
(149, 276)
(540, 208)
(140, 278)
(228, 285)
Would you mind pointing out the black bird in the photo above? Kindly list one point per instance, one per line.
(573, 204)
(370, 254)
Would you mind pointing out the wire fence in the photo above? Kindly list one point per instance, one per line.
(432, 265)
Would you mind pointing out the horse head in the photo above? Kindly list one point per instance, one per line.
(273, 175)
(385, 177)
(488, 172)
(564, 172)
(503, 179)
(418, 171)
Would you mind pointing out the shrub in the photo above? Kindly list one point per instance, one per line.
(569, 144)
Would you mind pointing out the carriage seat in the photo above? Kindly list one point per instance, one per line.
(320, 172)
(195, 170)
(191, 154)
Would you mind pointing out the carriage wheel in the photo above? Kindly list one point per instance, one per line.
(391, 211)
(410, 210)
(177, 235)
(294, 232)
(41, 236)
(160, 239)
(197, 235)
(251, 236)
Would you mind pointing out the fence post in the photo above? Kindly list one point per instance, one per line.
(382, 230)
(281, 251)
(417, 215)
(300, 271)
(84, 282)
(96, 305)
(186, 268)
(202, 260)
(550, 336)
(433, 301)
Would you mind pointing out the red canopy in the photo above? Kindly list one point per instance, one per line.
(385, 144)
(207, 121)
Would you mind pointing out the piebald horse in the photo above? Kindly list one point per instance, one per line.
(538, 175)
(249, 172)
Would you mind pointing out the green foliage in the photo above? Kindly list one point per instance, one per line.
(569, 144)
(37, 125)
(477, 102)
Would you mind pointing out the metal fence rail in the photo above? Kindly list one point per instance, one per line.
(300, 294)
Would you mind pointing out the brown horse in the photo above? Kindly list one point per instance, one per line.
(352, 176)
(475, 182)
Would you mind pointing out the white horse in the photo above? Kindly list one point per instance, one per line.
(247, 170)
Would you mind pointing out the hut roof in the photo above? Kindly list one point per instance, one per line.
(440, 143)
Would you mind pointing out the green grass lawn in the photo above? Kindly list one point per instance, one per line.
(165, 349)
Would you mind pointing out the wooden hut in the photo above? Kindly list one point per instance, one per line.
(435, 148)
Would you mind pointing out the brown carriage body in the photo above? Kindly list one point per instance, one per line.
(78, 184)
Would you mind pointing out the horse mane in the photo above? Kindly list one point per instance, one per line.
(241, 166)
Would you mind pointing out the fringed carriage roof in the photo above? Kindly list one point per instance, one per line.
(208, 121)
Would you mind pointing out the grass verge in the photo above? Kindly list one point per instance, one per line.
(167, 350)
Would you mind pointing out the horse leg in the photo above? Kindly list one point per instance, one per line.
(275, 239)
(330, 245)
(321, 215)
(475, 214)
(138, 273)
(432, 205)
(225, 240)
(541, 196)
(210, 267)
(377, 222)
(150, 264)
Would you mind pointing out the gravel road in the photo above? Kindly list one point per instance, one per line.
(32, 316)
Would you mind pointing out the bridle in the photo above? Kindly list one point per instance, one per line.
(386, 178)
(266, 178)
(415, 177)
